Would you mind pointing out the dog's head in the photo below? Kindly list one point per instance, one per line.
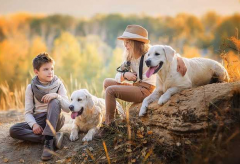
(158, 56)
(81, 100)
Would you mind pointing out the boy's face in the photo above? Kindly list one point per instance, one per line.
(45, 72)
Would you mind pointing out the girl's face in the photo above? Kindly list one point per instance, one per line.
(127, 44)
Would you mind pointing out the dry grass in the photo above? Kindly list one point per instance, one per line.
(15, 98)
(115, 146)
(11, 99)
(232, 58)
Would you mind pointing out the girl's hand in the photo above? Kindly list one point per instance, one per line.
(181, 67)
(130, 76)
(48, 97)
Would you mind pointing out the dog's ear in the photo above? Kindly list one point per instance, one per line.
(89, 99)
(86, 92)
(170, 52)
(90, 102)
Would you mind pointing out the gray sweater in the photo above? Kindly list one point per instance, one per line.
(42, 107)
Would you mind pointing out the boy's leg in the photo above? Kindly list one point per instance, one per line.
(53, 116)
(23, 131)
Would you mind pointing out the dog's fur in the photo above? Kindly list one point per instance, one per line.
(89, 113)
(163, 59)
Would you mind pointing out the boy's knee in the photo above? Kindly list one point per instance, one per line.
(13, 131)
(54, 104)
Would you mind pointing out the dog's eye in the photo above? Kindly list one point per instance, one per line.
(79, 99)
(157, 54)
(148, 54)
(71, 99)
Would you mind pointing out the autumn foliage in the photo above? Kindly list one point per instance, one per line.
(86, 50)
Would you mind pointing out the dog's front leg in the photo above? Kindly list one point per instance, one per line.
(90, 134)
(74, 132)
(151, 98)
(167, 95)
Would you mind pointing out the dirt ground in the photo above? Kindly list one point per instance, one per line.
(15, 151)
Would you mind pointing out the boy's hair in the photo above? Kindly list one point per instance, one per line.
(41, 59)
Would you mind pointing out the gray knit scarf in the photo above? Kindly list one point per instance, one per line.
(39, 90)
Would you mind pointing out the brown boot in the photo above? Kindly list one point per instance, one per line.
(48, 147)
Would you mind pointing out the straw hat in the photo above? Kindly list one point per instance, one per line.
(135, 32)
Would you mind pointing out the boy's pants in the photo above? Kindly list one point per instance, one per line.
(23, 131)
(124, 91)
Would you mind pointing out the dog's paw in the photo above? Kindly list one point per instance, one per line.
(73, 136)
(87, 138)
(163, 99)
(143, 111)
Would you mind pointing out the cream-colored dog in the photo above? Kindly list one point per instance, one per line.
(88, 112)
(163, 61)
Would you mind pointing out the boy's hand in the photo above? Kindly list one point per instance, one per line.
(48, 97)
(37, 129)
(181, 67)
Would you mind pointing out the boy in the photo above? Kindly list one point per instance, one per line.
(44, 98)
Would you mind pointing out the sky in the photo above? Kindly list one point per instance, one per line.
(89, 8)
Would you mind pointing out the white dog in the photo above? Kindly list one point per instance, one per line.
(88, 112)
(163, 61)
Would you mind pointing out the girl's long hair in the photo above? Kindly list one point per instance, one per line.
(137, 50)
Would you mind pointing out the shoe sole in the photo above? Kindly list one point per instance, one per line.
(46, 158)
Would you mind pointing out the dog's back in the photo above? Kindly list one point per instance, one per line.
(202, 71)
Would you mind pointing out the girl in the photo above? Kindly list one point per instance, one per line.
(136, 44)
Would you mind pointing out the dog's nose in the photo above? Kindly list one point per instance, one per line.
(148, 63)
(71, 107)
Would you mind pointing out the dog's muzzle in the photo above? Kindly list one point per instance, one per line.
(75, 114)
(71, 107)
(148, 63)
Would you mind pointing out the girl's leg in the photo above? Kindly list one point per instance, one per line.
(126, 93)
(110, 81)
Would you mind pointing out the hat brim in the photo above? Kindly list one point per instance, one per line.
(137, 39)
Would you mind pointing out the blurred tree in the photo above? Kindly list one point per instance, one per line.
(66, 53)
(114, 62)
(225, 30)
(190, 52)
(37, 46)
(14, 51)
(86, 49)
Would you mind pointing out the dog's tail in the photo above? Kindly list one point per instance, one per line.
(221, 73)
(120, 109)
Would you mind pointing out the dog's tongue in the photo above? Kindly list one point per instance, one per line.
(150, 71)
(74, 115)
